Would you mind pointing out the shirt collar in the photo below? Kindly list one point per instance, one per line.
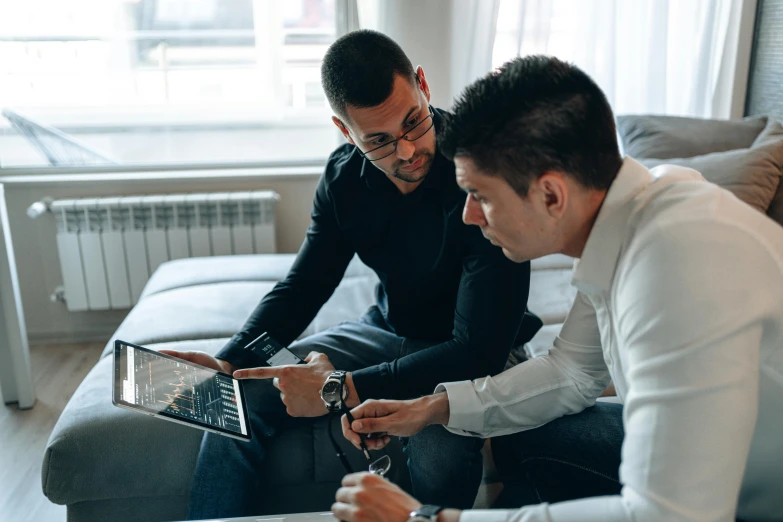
(594, 271)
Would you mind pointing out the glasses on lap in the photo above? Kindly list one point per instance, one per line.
(378, 467)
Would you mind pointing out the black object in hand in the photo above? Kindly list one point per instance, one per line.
(361, 437)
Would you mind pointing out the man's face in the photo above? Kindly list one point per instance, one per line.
(371, 127)
(523, 227)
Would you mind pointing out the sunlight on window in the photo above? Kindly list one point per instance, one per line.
(124, 63)
(88, 52)
(163, 52)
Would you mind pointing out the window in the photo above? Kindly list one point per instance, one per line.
(148, 81)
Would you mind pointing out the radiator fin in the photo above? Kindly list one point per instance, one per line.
(109, 247)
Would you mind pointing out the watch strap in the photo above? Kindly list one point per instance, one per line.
(340, 376)
(427, 511)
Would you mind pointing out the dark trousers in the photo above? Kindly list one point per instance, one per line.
(445, 469)
(575, 456)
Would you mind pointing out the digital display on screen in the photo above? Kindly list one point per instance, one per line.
(178, 389)
(280, 357)
(272, 352)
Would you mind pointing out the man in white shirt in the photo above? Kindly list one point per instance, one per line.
(679, 304)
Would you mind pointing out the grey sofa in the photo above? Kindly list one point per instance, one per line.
(106, 463)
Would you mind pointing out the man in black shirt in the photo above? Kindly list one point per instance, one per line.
(444, 311)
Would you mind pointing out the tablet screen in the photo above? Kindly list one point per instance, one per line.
(167, 386)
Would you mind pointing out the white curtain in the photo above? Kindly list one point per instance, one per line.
(451, 39)
(473, 25)
(649, 56)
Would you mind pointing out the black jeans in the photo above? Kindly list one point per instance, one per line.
(445, 469)
(575, 456)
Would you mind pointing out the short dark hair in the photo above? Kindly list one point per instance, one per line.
(533, 115)
(359, 70)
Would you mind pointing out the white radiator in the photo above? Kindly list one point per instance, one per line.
(109, 247)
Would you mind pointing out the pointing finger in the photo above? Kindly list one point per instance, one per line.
(259, 373)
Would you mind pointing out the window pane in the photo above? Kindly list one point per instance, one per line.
(147, 80)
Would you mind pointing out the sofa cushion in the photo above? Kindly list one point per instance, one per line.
(647, 136)
(209, 270)
(89, 455)
(205, 311)
(752, 174)
(775, 210)
(206, 270)
(543, 340)
(212, 297)
(551, 294)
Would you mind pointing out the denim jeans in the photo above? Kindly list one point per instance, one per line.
(445, 469)
(575, 456)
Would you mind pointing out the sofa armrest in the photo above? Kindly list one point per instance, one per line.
(99, 451)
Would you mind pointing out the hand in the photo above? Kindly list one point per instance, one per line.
(609, 391)
(299, 384)
(204, 359)
(401, 418)
(368, 497)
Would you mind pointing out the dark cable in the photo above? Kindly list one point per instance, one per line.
(337, 449)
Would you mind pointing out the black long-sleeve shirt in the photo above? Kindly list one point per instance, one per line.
(440, 280)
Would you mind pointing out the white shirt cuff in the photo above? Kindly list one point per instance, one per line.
(465, 410)
(484, 515)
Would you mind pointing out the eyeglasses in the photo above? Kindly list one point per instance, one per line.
(376, 467)
(415, 132)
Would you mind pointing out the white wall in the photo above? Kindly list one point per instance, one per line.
(36, 252)
(423, 30)
(451, 39)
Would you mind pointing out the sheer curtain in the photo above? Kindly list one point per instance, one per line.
(452, 39)
(473, 25)
(649, 56)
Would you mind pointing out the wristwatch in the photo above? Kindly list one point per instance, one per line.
(334, 391)
(425, 513)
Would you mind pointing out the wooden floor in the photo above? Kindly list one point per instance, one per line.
(57, 371)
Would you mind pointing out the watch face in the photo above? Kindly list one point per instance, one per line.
(331, 388)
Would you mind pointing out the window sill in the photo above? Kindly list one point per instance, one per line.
(306, 169)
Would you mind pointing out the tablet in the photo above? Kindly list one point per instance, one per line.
(179, 391)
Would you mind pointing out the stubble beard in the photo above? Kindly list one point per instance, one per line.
(413, 177)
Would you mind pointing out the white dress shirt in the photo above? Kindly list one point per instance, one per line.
(680, 304)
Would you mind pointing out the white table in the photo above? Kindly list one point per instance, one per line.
(294, 517)
(16, 383)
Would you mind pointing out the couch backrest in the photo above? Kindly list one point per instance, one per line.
(744, 156)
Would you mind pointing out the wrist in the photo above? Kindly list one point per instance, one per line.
(352, 400)
(449, 515)
(422, 513)
(437, 406)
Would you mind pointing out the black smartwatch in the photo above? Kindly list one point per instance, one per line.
(425, 513)
(334, 392)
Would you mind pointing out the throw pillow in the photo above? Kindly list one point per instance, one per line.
(752, 174)
(775, 210)
(676, 137)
